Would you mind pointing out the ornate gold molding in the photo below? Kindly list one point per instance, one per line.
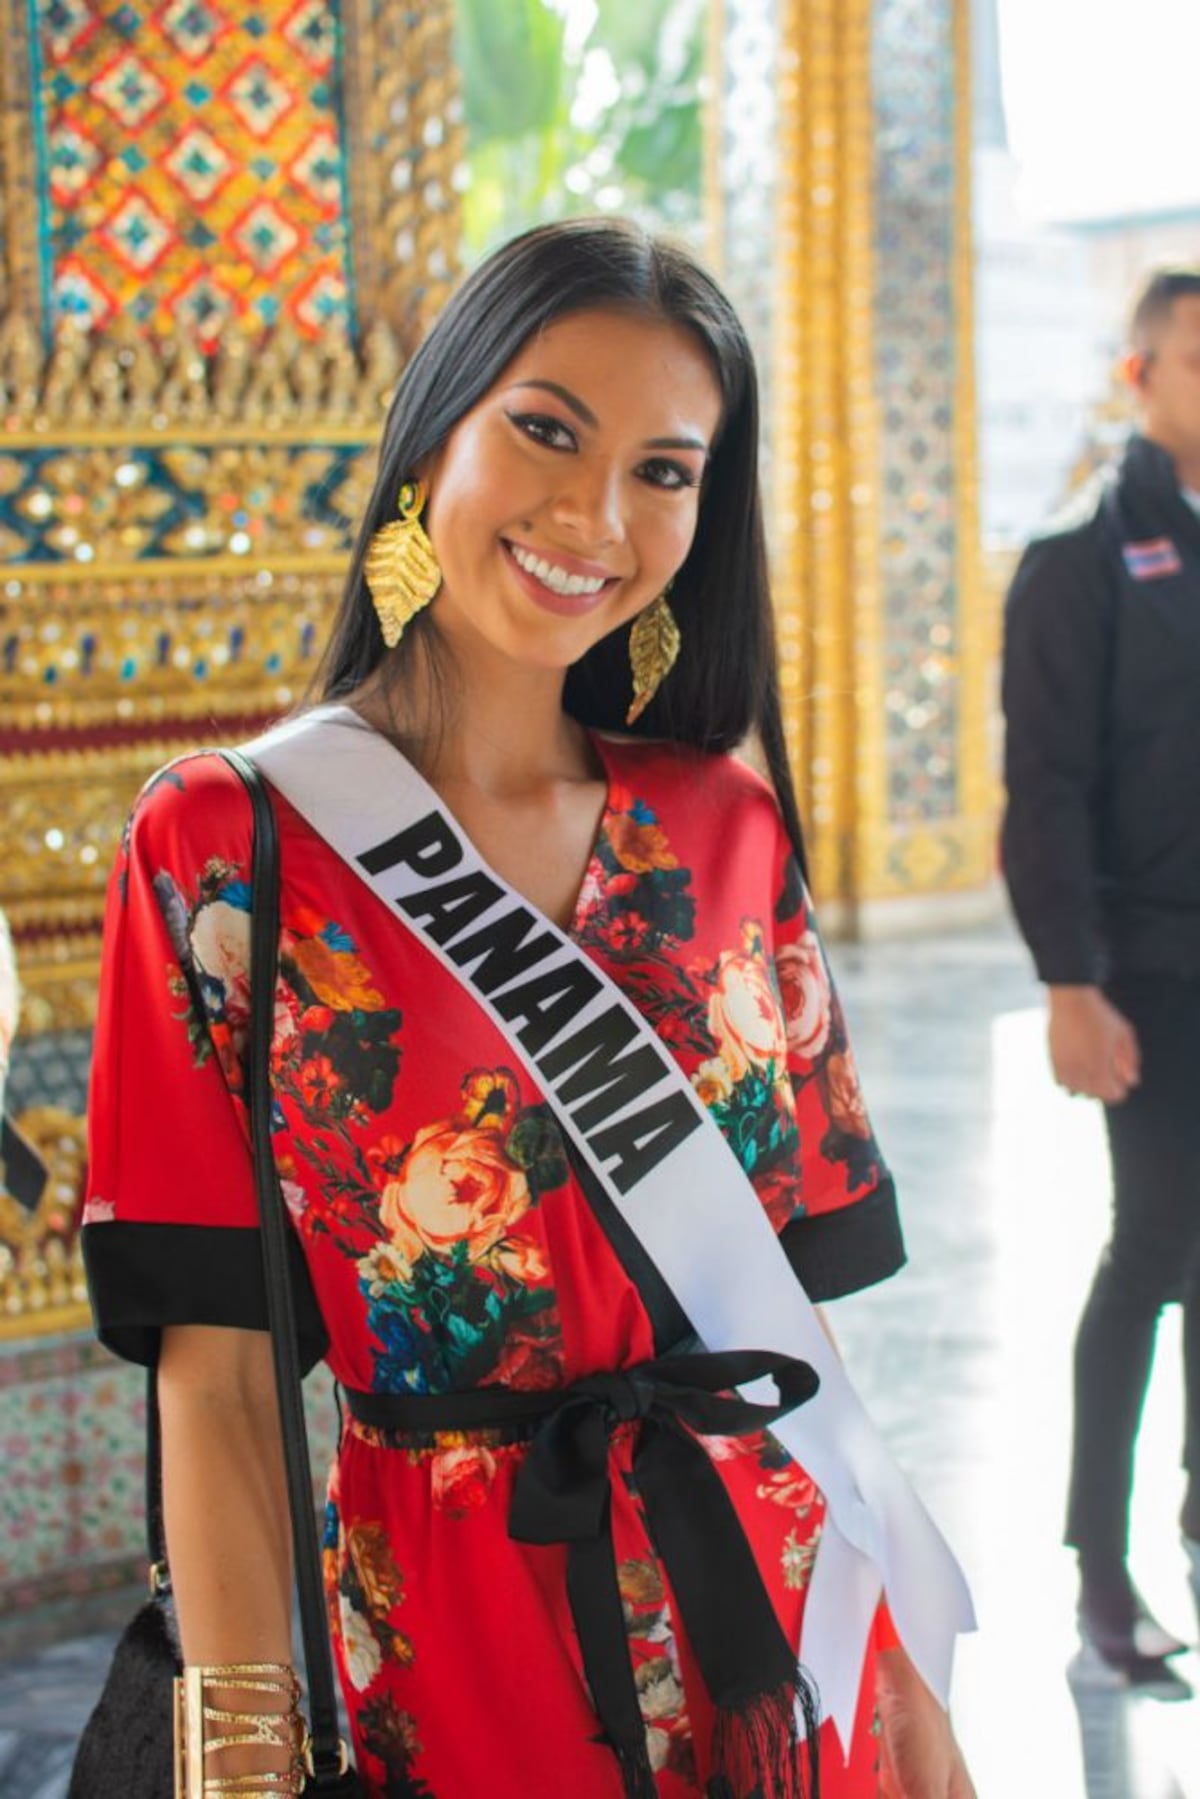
(137, 387)
(65, 811)
(955, 853)
(154, 644)
(42, 1287)
(833, 572)
(824, 429)
(980, 598)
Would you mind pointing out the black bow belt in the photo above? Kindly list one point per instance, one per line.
(562, 1495)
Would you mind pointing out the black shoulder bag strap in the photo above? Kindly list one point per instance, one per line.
(330, 1773)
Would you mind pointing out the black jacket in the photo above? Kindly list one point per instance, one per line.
(1101, 839)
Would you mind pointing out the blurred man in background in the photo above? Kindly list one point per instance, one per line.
(1102, 858)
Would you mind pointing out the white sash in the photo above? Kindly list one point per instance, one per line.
(625, 1103)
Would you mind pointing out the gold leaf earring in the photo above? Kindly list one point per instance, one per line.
(653, 646)
(401, 570)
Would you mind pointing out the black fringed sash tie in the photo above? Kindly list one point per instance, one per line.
(562, 1494)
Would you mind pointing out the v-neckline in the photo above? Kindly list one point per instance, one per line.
(585, 897)
(582, 905)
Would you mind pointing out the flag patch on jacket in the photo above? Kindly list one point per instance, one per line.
(1152, 559)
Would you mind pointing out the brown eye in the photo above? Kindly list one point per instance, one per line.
(544, 429)
(660, 471)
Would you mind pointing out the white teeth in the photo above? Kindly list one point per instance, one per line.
(556, 579)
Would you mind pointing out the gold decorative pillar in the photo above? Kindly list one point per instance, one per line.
(884, 631)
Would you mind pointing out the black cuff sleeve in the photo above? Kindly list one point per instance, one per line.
(841, 1252)
(142, 1277)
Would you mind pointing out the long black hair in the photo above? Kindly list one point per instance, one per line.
(725, 684)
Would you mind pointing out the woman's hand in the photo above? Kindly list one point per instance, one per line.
(920, 1758)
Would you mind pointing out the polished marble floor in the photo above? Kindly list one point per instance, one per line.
(964, 1359)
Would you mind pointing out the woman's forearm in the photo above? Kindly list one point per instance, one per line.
(225, 1511)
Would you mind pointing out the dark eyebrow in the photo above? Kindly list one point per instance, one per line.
(677, 443)
(583, 413)
(587, 417)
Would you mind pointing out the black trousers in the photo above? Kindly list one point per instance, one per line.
(1152, 1259)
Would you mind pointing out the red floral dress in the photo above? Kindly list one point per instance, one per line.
(451, 1245)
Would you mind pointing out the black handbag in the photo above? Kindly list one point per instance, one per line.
(126, 1750)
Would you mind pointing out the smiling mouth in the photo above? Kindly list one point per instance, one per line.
(560, 580)
(570, 593)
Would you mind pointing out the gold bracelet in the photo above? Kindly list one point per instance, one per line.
(204, 1728)
(250, 1786)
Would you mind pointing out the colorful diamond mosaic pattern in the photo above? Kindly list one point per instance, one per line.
(319, 302)
(131, 91)
(192, 27)
(194, 166)
(137, 234)
(258, 99)
(915, 326)
(310, 31)
(74, 159)
(265, 237)
(82, 298)
(203, 306)
(67, 25)
(199, 165)
(318, 170)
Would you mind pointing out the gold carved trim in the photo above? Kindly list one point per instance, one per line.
(115, 438)
(64, 812)
(826, 439)
(825, 430)
(124, 387)
(18, 222)
(959, 853)
(179, 570)
(42, 1286)
(411, 152)
(866, 770)
(58, 981)
(142, 450)
(158, 642)
(790, 410)
(46, 1320)
(979, 605)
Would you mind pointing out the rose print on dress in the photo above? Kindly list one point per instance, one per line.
(460, 1291)
(370, 1588)
(656, 1672)
(762, 1020)
(462, 1478)
(743, 1013)
(634, 885)
(807, 994)
(456, 1186)
(844, 1095)
(745, 1085)
(334, 1051)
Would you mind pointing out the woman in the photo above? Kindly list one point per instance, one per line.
(573, 449)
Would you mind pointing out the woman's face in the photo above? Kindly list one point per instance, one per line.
(563, 503)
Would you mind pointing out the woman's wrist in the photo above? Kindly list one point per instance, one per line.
(239, 1733)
